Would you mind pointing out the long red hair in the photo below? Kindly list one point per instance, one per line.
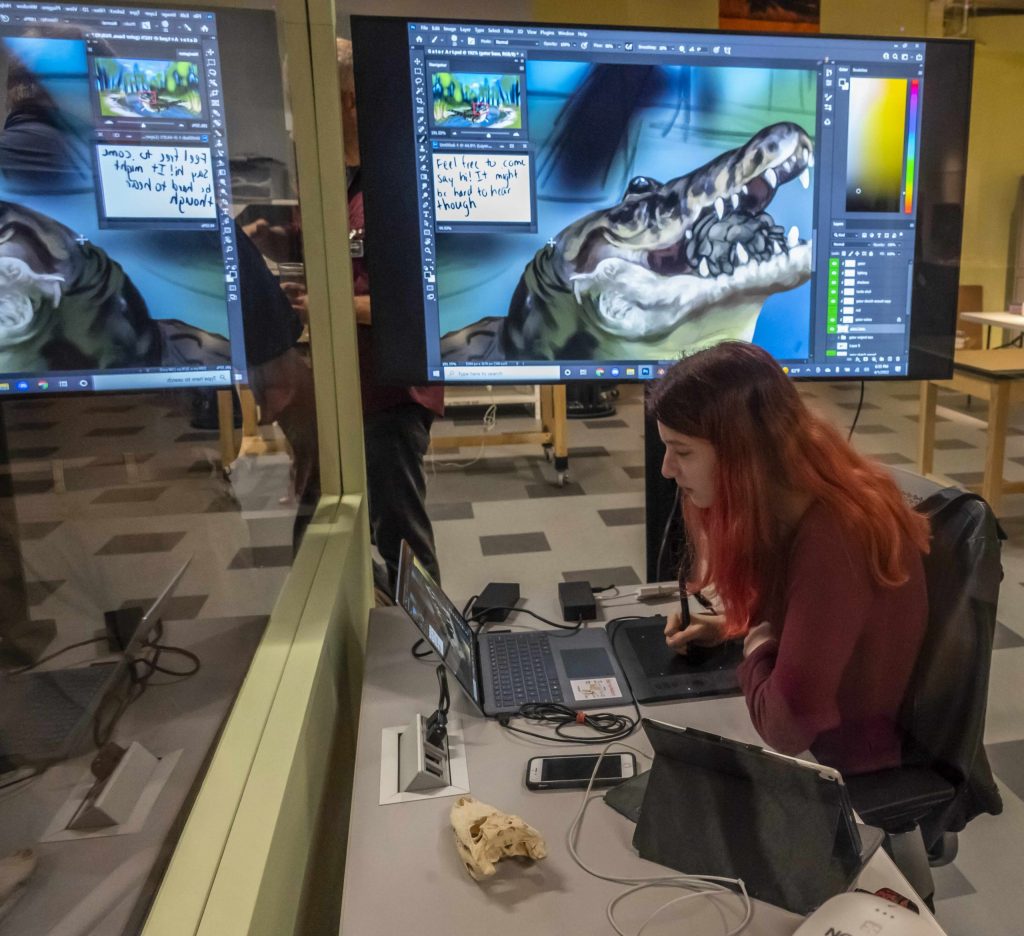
(735, 396)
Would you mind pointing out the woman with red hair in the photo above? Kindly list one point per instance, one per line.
(811, 549)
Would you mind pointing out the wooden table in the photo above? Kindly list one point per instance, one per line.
(997, 376)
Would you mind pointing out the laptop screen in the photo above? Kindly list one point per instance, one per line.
(438, 619)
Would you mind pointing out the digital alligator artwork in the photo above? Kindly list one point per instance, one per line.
(672, 266)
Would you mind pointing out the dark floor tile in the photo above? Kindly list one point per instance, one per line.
(36, 530)
(457, 511)
(550, 489)
(117, 460)
(606, 423)
(587, 451)
(262, 557)
(31, 426)
(623, 516)
(24, 485)
(950, 882)
(1014, 431)
(1006, 638)
(874, 429)
(635, 471)
(178, 607)
(615, 575)
(1007, 761)
(30, 454)
(130, 495)
(198, 437)
(223, 503)
(853, 406)
(127, 543)
(938, 418)
(950, 444)
(111, 408)
(38, 592)
(486, 466)
(906, 396)
(114, 431)
(508, 544)
(204, 466)
(966, 478)
(893, 458)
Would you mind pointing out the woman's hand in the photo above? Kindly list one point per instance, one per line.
(705, 630)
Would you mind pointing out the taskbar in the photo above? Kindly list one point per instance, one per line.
(119, 380)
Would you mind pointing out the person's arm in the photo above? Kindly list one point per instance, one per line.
(791, 684)
(362, 307)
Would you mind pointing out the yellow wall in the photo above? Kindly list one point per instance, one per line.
(695, 14)
(875, 17)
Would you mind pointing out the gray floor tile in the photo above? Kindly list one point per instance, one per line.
(127, 543)
(606, 423)
(1007, 760)
(873, 429)
(587, 451)
(457, 511)
(938, 418)
(950, 882)
(178, 608)
(33, 485)
(853, 406)
(31, 426)
(33, 453)
(129, 495)
(893, 458)
(966, 478)
(223, 503)
(114, 431)
(906, 396)
(489, 466)
(36, 530)
(112, 408)
(635, 471)
(262, 557)
(550, 489)
(950, 444)
(623, 516)
(508, 544)
(210, 437)
(37, 592)
(1006, 638)
(616, 575)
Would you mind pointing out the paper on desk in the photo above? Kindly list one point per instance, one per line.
(591, 690)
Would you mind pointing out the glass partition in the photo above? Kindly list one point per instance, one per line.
(158, 432)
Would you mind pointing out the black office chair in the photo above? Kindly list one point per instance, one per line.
(946, 780)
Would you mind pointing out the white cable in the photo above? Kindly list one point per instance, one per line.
(703, 885)
(489, 420)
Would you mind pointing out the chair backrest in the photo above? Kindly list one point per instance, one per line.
(944, 714)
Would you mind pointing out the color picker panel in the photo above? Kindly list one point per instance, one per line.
(875, 151)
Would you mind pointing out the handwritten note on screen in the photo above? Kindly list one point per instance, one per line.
(168, 182)
(482, 187)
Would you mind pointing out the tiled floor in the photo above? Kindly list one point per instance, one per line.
(504, 519)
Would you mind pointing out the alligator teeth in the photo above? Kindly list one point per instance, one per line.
(793, 237)
(805, 178)
(745, 190)
(704, 269)
(719, 207)
(689, 234)
(735, 200)
(808, 157)
(770, 177)
(776, 249)
(741, 254)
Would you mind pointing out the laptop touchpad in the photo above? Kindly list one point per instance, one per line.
(586, 663)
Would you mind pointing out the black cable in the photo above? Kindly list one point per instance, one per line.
(856, 415)
(565, 627)
(51, 656)
(180, 651)
(36, 771)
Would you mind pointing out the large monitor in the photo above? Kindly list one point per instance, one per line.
(118, 265)
(551, 203)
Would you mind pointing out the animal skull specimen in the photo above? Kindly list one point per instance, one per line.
(485, 835)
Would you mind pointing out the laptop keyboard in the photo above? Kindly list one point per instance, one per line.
(522, 670)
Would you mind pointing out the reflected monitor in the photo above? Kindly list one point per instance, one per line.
(117, 245)
(578, 203)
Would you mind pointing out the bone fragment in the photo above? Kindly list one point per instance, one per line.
(484, 835)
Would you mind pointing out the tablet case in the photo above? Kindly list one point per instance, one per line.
(656, 673)
(719, 807)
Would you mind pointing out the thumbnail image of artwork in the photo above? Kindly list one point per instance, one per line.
(472, 100)
(146, 88)
(674, 210)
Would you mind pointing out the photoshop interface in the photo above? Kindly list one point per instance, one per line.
(491, 103)
(154, 141)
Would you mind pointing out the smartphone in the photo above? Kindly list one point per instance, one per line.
(573, 771)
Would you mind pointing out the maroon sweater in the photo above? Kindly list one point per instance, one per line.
(835, 679)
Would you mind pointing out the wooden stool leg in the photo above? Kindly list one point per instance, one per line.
(926, 428)
(560, 436)
(226, 422)
(998, 417)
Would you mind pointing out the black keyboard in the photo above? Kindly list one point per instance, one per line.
(522, 670)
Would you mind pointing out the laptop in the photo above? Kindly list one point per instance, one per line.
(717, 806)
(44, 715)
(500, 672)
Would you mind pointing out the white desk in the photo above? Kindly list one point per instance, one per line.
(403, 875)
(1011, 321)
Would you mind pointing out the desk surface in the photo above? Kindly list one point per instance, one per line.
(997, 363)
(1012, 320)
(403, 875)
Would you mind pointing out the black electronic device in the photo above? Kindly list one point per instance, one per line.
(657, 673)
(496, 601)
(591, 202)
(573, 771)
(577, 601)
